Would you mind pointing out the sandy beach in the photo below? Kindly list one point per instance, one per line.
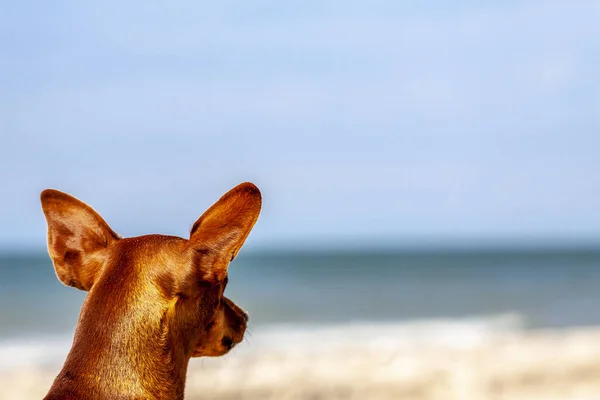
(529, 365)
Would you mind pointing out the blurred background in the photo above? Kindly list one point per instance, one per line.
(431, 216)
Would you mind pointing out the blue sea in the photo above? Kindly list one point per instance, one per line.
(294, 292)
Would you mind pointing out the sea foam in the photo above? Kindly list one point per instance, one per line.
(302, 338)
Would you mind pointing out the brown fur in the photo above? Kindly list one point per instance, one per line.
(154, 301)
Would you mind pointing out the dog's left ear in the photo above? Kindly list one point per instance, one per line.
(77, 236)
(220, 232)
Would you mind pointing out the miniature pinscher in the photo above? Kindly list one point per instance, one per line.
(153, 301)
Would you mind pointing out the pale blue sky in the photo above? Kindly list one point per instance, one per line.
(360, 121)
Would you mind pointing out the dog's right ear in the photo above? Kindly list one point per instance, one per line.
(76, 237)
(220, 232)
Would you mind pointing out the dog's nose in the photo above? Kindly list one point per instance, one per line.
(246, 316)
(227, 342)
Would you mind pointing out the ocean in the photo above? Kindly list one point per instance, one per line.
(343, 296)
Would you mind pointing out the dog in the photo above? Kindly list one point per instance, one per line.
(153, 301)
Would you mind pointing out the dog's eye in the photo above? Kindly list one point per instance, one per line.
(210, 325)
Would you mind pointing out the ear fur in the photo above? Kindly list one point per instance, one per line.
(220, 232)
(76, 237)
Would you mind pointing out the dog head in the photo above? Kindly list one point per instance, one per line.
(163, 289)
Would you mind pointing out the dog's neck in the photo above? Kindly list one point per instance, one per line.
(129, 357)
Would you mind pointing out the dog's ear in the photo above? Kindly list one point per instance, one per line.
(76, 237)
(220, 232)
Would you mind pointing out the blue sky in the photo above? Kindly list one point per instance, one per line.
(360, 121)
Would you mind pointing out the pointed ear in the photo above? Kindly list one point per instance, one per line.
(76, 237)
(221, 231)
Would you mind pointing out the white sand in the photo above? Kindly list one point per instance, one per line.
(538, 365)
